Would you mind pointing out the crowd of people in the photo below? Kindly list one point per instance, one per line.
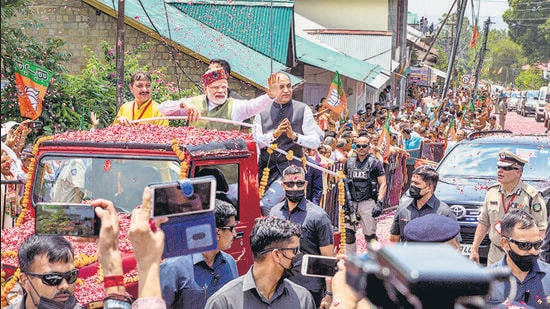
(296, 221)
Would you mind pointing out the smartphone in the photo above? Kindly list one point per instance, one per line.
(79, 220)
(35, 124)
(184, 197)
(319, 266)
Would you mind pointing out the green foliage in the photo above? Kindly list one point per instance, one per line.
(529, 26)
(530, 79)
(503, 59)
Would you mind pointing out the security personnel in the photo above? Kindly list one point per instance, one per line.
(367, 186)
(509, 192)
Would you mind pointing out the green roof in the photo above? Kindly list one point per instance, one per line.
(255, 24)
(196, 39)
(323, 57)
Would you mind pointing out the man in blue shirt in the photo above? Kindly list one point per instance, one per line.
(188, 280)
(411, 139)
(521, 241)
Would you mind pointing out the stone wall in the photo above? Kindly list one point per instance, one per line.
(80, 25)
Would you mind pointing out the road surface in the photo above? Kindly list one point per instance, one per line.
(523, 125)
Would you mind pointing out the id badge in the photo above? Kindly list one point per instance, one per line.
(497, 227)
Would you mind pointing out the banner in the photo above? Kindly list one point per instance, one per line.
(336, 99)
(384, 140)
(31, 81)
(420, 76)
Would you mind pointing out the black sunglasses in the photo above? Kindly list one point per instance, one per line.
(229, 228)
(507, 168)
(295, 250)
(55, 279)
(525, 245)
(291, 184)
(361, 145)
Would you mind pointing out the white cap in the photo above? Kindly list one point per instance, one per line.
(6, 127)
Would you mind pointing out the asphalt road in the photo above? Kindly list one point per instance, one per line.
(524, 125)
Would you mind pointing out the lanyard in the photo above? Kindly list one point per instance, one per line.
(144, 108)
(506, 208)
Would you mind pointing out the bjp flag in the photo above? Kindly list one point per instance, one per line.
(31, 81)
(336, 99)
(384, 140)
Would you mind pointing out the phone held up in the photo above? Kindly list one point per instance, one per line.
(77, 220)
(319, 266)
(189, 206)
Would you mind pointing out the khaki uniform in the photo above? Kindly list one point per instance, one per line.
(523, 196)
(501, 110)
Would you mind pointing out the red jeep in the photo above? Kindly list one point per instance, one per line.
(116, 163)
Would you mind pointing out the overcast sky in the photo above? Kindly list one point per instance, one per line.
(434, 9)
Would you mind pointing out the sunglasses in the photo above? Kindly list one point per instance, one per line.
(361, 145)
(507, 168)
(229, 228)
(295, 250)
(525, 245)
(55, 279)
(291, 184)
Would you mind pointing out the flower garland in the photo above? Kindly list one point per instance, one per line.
(184, 166)
(265, 171)
(6, 288)
(341, 202)
(304, 162)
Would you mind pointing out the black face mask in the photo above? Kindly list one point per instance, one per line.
(293, 269)
(414, 192)
(46, 303)
(523, 262)
(295, 195)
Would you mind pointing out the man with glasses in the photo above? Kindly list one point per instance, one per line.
(188, 280)
(521, 241)
(317, 237)
(509, 192)
(48, 274)
(275, 244)
(367, 186)
(419, 201)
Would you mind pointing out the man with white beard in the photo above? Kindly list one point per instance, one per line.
(216, 103)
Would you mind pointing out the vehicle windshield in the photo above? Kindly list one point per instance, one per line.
(515, 94)
(477, 160)
(532, 94)
(118, 179)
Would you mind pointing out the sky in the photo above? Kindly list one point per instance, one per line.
(434, 10)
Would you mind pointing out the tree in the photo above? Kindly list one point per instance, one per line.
(529, 26)
(503, 58)
(530, 79)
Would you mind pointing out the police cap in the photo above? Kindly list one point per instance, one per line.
(431, 228)
(508, 159)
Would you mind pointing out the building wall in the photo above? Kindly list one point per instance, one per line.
(355, 14)
(80, 25)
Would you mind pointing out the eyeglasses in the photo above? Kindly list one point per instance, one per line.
(361, 145)
(229, 228)
(295, 250)
(525, 245)
(507, 168)
(55, 279)
(291, 184)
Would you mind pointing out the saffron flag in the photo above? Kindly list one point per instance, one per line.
(451, 130)
(336, 99)
(384, 140)
(31, 82)
(475, 36)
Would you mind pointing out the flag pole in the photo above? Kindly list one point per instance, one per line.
(120, 56)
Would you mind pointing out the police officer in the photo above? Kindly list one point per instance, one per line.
(367, 186)
(509, 192)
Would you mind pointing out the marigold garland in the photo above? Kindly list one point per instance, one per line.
(290, 155)
(304, 162)
(184, 166)
(341, 202)
(8, 286)
(265, 171)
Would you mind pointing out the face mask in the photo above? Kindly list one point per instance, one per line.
(293, 269)
(46, 303)
(295, 195)
(414, 192)
(523, 262)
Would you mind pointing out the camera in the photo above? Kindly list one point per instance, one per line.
(418, 275)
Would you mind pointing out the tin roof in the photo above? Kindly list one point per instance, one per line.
(255, 24)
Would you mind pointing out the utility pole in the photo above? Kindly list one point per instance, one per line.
(450, 68)
(120, 56)
(439, 31)
(481, 55)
